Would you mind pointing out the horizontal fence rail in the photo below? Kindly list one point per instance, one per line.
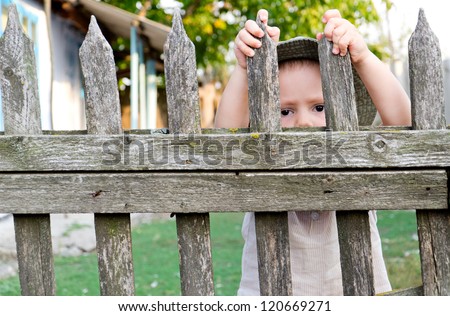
(184, 192)
(253, 151)
(190, 172)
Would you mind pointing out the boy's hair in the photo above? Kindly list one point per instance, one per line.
(290, 64)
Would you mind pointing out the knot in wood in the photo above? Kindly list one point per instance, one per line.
(8, 72)
(379, 144)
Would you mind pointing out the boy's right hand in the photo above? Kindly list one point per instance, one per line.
(248, 38)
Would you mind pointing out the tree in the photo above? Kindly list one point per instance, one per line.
(212, 24)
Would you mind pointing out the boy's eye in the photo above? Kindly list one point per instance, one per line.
(285, 112)
(319, 108)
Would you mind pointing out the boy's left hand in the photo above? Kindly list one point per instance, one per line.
(344, 35)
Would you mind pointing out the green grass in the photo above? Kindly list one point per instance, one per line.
(398, 230)
(156, 268)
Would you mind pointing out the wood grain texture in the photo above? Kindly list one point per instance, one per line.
(183, 107)
(264, 87)
(356, 253)
(34, 254)
(364, 104)
(194, 242)
(414, 291)
(255, 151)
(338, 89)
(272, 231)
(185, 192)
(427, 102)
(183, 104)
(20, 97)
(101, 89)
(115, 258)
(353, 227)
(21, 112)
(426, 77)
(113, 233)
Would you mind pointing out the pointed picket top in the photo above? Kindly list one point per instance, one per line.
(177, 24)
(426, 77)
(263, 86)
(101, 90)
(22, 116)
(339, 95)
(20, 97)
(428, 112)
(183, 104)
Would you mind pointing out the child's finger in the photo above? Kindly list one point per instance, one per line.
(344, 42)
(331, 26)
(249, 39)
(253, 28)
(243, 48)
(334, 13)
(263, 16)
(273, 32)
(342, 37)
(245, 42)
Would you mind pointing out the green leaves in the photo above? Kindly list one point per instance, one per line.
(212, 25)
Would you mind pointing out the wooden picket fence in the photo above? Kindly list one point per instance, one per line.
(192, 171)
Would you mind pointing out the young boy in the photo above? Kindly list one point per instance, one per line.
(314, 248)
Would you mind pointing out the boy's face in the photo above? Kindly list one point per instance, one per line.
(301, 96)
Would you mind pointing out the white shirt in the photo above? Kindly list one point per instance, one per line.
(314, 253)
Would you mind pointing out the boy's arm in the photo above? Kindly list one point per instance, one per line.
(233, 108)
(387, 94)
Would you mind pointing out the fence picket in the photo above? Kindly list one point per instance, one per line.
(272, 233)
(353, 227)
(184, 117)
(427, 105)
(113, 231)
(22, 116)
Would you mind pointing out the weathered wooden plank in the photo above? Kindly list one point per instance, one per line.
(20, 99)
(427, 104)
(338, 89)
(255, 151)
(185, 192)
(34, 254)
(115, 264)
(263, 87)
(99, 73)
(183, 104)
(356, 253)
(413, 291)
(113, 234)
(433, 227)
(353, 227)
(195, 251)
(193, 230)
(222, 130)
(364, 104)
(21, 112)
(272, 231)
(426, 78)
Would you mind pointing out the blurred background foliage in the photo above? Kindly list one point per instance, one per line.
(212, 25)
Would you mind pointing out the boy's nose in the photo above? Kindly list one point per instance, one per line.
(303, 121)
